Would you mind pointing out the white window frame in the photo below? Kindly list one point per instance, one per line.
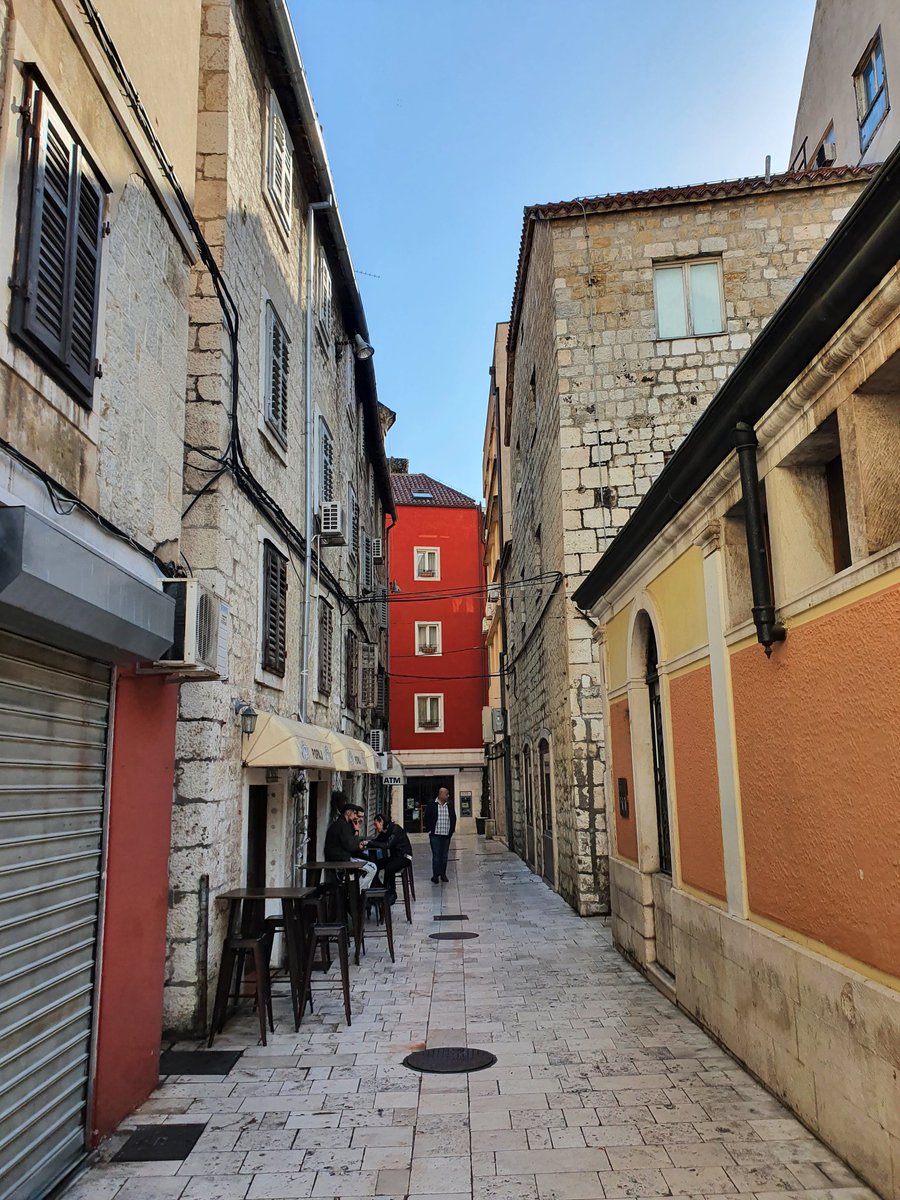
(421, 627)
(439, 727)
(276, 430)
(685, 264)
(324, 296)
(278, 143)
(435, 550)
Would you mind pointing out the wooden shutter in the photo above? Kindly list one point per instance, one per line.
(278, 352)
(326, 462)
(274, 624)
(367, 675)
(381, 693)
(326, 645)
(353, 519)
(280, 162)
(352, 669)
(61, 224)
(366, 562)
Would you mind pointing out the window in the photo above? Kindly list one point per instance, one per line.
(428, 637)
(366, 564)
(274, 621)
(323, 294)
(61, 223)
(428, 562)
(353, 520)
(351, 667)
(277, 367)
(689, 301)
(326, 462)
(532, 403)
(429, 713)
(279, 176)
(871, 91)
(326, 645)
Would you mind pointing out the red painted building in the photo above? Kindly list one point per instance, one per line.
(436, 659)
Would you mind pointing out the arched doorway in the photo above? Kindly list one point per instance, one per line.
(545, 784)
(664, 838)
(528, 793)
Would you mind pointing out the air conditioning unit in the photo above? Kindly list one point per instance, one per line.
(827, 153)
(202, 622)
(498, 720)
(378, 550)
(376, 740)
(332, 523)
(493, 593)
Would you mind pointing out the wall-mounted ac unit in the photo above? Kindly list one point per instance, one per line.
(377, 740)
(332, 523)
(493, 593)
(827, 153)
(498, 720)
(378, 550)
(202, 620)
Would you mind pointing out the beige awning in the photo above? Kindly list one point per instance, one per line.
(281, 742)
(352, 755)
(393, 774)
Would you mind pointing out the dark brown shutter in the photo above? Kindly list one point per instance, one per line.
(326, 645)
(61, 215)
(274, 630)
(352, 670)
(279, 364)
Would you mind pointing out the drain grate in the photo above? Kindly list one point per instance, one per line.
(452, 917)
(449, 1060)
(160, 1143)
(197, 1062)
(455, 936)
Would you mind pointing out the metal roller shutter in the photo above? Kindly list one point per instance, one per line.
(54, 718)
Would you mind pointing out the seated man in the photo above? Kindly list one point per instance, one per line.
(392, 840)
(343, 844)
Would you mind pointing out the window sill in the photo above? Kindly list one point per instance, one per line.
(267, 679)
(270, 438)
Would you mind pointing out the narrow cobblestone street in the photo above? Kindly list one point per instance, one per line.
(601, 1087)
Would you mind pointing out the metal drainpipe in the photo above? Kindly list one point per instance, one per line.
(309, 456)
(507, 759)
(768, 628)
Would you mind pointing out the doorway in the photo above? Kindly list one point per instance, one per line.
(417, 791)
(257, 815)
(528, 792)
(661, 881)
(544, 782)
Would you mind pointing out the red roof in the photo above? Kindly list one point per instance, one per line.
(658, 197)
(424, 491)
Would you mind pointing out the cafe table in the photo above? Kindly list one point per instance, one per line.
(246, 917)
(348, 874)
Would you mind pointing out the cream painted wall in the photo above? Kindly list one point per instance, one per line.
(678, 594)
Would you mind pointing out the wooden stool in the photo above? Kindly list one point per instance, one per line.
(234, 953)
(324, 933)
(377, 898)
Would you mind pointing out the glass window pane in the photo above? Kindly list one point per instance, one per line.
(670, 309)
(869, 80)
(706, 304)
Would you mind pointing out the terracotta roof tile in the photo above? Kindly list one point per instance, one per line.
(426, 492)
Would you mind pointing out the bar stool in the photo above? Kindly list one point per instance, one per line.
(325, 933)
(409, 886)
(235, 949)
(377, 898)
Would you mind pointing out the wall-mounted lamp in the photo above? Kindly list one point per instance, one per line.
(361, 348)
(247, 713)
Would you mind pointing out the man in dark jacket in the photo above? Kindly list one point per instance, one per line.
(440, 821)
(391, 838)
(342, 841)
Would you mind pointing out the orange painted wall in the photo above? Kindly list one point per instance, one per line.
(136, 909)
(819, 762)
(620, 744)
(701, 856)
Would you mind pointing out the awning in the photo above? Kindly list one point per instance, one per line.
(393, 774)
(352, 755)
(281, 742)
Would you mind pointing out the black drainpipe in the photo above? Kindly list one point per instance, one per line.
(768, 628)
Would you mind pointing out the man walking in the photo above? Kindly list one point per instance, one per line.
(440, 821)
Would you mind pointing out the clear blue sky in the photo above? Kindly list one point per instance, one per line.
(444, 118)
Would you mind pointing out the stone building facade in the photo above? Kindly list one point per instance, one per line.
(615, 350)
(264, 201)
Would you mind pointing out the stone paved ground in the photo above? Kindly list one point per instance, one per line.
(601, 1089)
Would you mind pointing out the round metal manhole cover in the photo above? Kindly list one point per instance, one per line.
(455, 936)
(448, 1060)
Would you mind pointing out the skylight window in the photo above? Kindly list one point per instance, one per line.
(422, 496)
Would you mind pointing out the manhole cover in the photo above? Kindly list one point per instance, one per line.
(455, 936)
(452, 917)
(160, 1143)
(197, 1062)
(449, 1060)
